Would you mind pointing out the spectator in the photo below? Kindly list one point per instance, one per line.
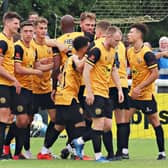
(33, 16)
(162, 56)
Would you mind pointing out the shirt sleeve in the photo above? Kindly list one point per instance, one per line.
(55, 51)
(116, 60)
(93, 56)
(150, 60)
(3, 47)
(18, 54)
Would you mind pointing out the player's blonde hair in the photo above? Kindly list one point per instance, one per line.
(41, 20)
(103, 25)
(112, 30)
(85, 15)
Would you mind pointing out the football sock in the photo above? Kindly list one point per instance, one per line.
(20, 138)
(51, 135)
(160, 138)
(88, 123)
(108, 143)
(11, 134)
(27, 139)
(2, 136)
(123, 132)
(96, 140)
(78, 131)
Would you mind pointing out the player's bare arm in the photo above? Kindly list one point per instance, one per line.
(86, 76)
(79, 63)
(7, 75)
(55, 43)
(154, 74)
(19, 69)
(116, 78)
(43, 67)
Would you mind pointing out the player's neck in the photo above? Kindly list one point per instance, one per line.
(40, 41)
(106, 45)
(138, 45)
(26, 43)
(7, 33)
(80, 55)
(68, 30)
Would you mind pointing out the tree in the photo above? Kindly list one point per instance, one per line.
(50, 9)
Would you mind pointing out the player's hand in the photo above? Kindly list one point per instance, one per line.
(38, 72)
(46, 60)
(37, 64)
(62, 47)
(53, 95)
(136, 92)
(90, 99)
(120, 96)
(17, 85)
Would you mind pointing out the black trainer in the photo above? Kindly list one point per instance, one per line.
(112, 158)
(5, 157)
(125, 156)
(64, 153)
(118, 155)
(161, 157)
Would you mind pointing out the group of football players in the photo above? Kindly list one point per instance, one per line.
(80, 78)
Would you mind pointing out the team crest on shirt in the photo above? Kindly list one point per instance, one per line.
(20, 108)
(98, 111)
(2, 100)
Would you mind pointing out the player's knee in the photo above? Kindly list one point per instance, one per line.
(98, 123)
(59, 128)
(22, 121)
(107, 126)
(154, 120)
(80, 124)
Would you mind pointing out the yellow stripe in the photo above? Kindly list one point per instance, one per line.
(152, 66)
(18, 61)
(89, 62)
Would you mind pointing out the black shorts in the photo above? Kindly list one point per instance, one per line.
(68, 115)
(23, 102)
(6, 96)
(80, 96)
(102, 107)
(113, 94)
(42, 101)
(147, 106)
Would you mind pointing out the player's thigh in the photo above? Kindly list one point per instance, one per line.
(5, 103)
(154, 119)
(22, 120)
(52, 114)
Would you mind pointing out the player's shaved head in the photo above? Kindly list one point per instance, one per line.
(67, 24)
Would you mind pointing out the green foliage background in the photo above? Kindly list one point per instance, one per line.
(53, 8)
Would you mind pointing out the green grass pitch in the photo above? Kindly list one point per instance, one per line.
(143, 153)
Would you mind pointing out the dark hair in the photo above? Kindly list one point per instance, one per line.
(26, 23)
(10, 16)
(80, 42)
(143, 28)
